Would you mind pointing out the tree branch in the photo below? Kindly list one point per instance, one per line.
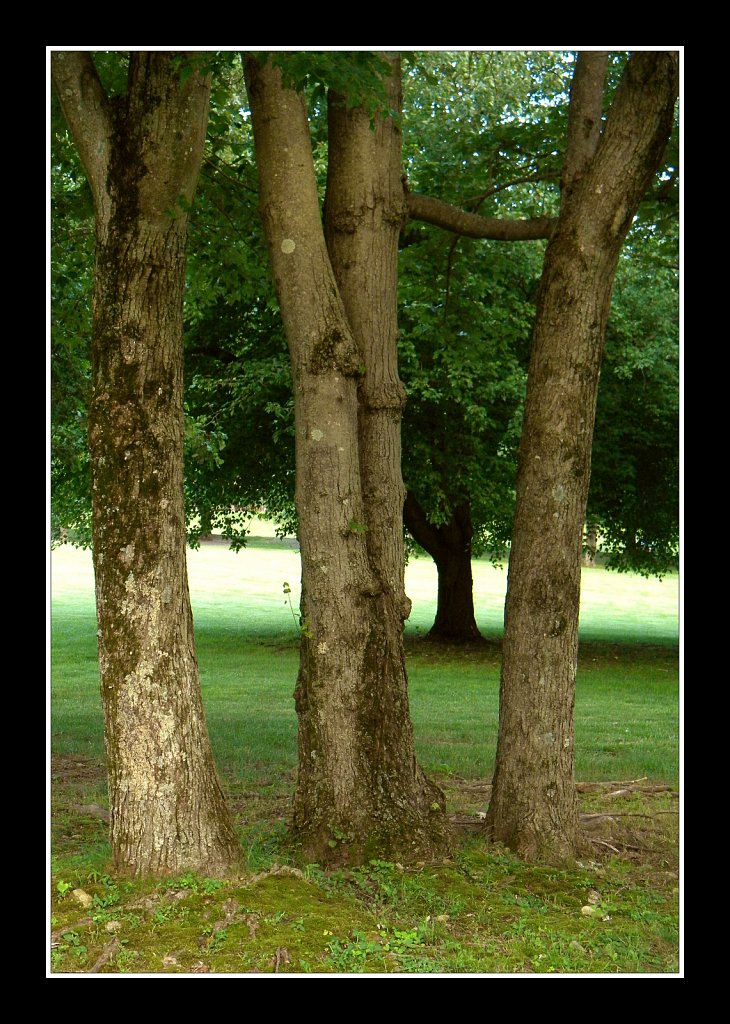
(525, 179)
(417, 524)
(636, 132)
(584, 118)
(234, 181)
(86, 108)
(451, 218)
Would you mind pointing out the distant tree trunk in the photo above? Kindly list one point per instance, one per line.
(534, 805)
(360, 792)
(591, 545)
(141, 153)
(449, 544)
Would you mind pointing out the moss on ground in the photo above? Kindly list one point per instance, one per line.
(481, 911)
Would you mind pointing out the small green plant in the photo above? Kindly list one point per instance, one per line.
(395, 947)
(351, 955)
(63, 889)
(100, 879)
(354, 527)
(125, 958)
(72, 942)
(110, 899)
(301, 624)
(188, 881)
(217, 940)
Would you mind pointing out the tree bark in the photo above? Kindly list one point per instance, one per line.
(534, 804)
(142, 152)
(359, 791)
(364, 214)
(450, 546)
(473, 225)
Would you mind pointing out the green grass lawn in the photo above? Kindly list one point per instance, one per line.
(627, 689)
(480, 911)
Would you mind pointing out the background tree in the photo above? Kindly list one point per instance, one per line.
(467, 299)
(72, 258)
(606, 171)
(141, 151)
(239, 404)
(486, 133)
(634, 493)
(463, 367)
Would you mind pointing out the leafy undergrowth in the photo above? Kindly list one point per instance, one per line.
(481, 911)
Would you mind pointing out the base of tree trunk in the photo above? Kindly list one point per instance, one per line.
(534, 845)
(456, 637)
(405, 835)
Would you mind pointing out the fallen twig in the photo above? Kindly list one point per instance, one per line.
(622, 814)
(281, 956)
(106, 954)
(602, 842)
(586, 787)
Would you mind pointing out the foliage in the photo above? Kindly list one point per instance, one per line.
(486, 131)
(471, 138)
(482, 130)
(356, 76)
(72, 241)
(634, 496)
(459, 359)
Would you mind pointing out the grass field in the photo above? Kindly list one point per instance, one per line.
(457, 917)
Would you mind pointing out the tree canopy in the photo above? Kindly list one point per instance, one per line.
(482, 134)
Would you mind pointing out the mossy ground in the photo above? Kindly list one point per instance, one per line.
(479, 911)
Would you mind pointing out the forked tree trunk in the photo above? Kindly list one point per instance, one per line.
(450, 546)
(364, 213)
(534, 805)
(359, 790)
(141, 153)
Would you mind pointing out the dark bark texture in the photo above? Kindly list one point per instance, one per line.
(450, 546)
(360, 792)
(534, 805)
(142, 152)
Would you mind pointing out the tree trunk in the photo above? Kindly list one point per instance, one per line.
(450, 547)
(534, 804)
(359, 791)
(590, 545)
(364, 213)
(142, 152)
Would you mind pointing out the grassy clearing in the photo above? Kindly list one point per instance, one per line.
(480, 911)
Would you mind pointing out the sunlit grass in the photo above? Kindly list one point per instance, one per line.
(247, 641)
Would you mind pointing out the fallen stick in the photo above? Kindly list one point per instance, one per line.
(105, 956)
